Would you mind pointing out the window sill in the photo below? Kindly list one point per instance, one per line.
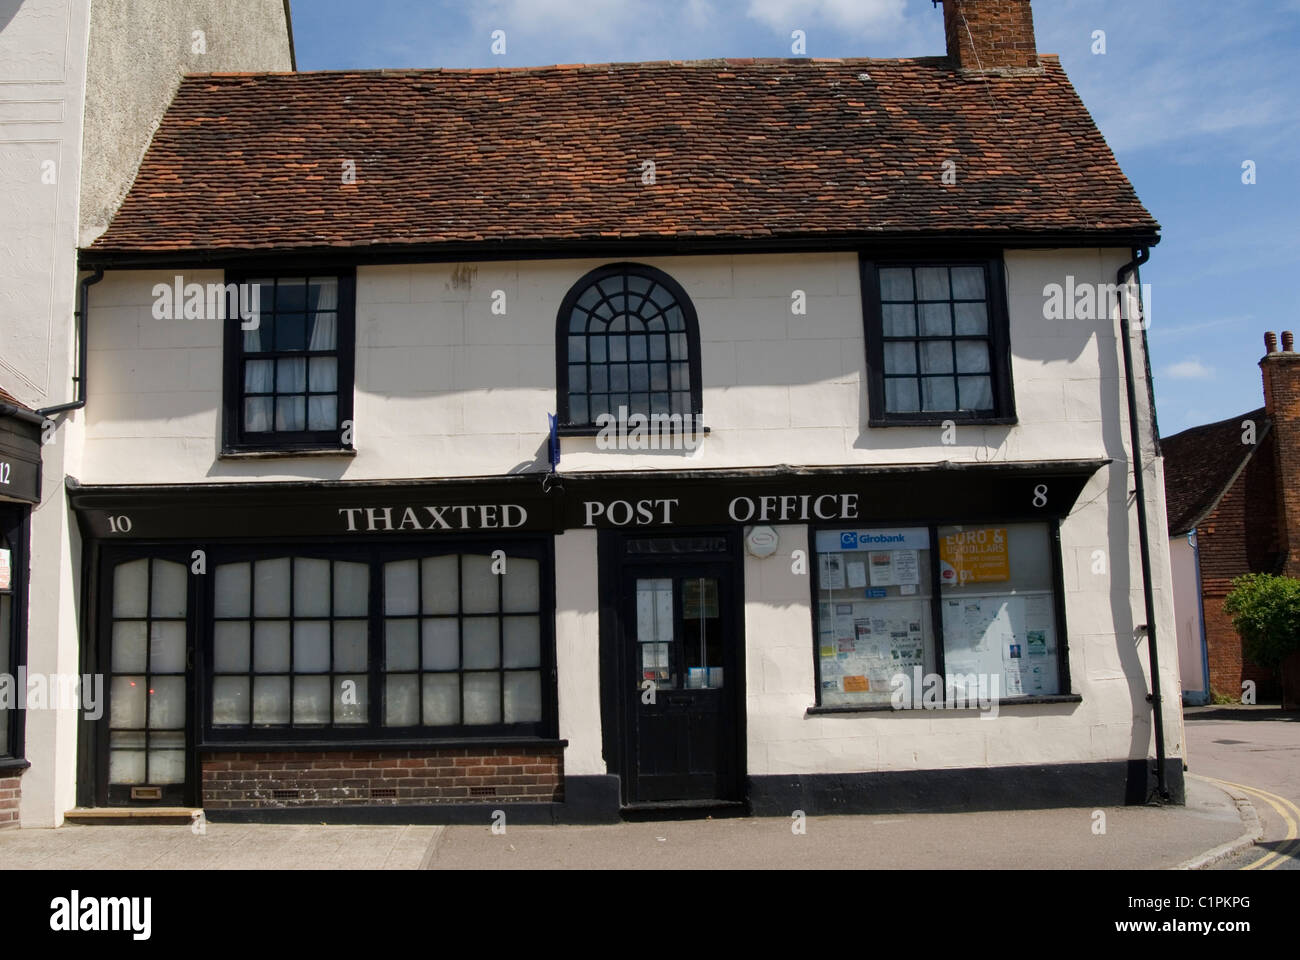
(281, 454)
(13, 764)
(889, 708)
(565, 432)
(940, 421)
(307, 746)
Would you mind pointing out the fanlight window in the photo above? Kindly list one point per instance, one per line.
(628, 339)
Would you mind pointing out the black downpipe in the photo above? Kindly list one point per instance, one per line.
(83, 302)
(1140, 256)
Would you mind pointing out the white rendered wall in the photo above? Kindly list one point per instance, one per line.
(446, 388)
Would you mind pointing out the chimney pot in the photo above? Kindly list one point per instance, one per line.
(1270, 342)
(1288, 341)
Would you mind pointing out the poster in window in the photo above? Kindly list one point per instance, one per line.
(832, 572)
(974, 556)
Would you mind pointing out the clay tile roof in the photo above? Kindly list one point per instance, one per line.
(7, 397)
(743, 148)
(1201, 462)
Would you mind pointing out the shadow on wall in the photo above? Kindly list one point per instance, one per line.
(8, 10)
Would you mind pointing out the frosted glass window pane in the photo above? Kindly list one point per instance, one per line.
(324, 374)
(968, 283)
(441, 699)
(936, 320)
(271, 587)
(311, 700)
(899, 319)
(896, 283)
(976, 393)
(900, 357)
(167, 703)
(932, 283)
(521, 587)
(482, 643)
(441, 585)
(130, 588)
(972, 318)
(166, 766)
(523, 642)
(129, 646)
(168, 589)
(402, 651)
(271, 646)
(290, 413)
(480, 585)
(126, 702)
(126, 766)
(939, 393)
(482, 698)
(441, 638)
(400, 585)
(230, 700)
(351, 589)
(167, 647)
(311, 646)
(936, 357)
(523, 697)
(972, 356)
(311, 588)
(402, 702)
(350, 651)
(230, 643)
(257, 414)
(270, 700)
(322, 412)
(291, 375)
(901, 396)
(352, 689)
(232, 590)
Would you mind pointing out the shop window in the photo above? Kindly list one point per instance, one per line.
(627, 338)
(379, 643)
(989, 629)
(290, 643)
(937, 346)
(462, 642)
(289, 378)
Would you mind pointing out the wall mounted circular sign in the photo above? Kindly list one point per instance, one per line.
(761, 541)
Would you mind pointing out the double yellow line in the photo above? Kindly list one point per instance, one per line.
(1290, 815)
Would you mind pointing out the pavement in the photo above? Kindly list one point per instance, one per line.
(1252, 752)
(1068, 838)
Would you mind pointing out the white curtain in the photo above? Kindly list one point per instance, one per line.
(322, 411)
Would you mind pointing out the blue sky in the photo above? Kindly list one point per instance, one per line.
(1186, 92)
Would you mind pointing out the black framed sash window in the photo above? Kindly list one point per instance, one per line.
(12, 616)
(627, 337)
(289, 378)
(937, 342)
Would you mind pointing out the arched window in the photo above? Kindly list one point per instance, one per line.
(627, 337)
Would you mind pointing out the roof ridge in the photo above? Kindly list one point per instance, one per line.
(703, 63)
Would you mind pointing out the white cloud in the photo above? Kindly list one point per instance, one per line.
(855, 15)
(1189, 369)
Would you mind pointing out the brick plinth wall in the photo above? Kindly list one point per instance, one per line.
(233, 781)
(10, 792)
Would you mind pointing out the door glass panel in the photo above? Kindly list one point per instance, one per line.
(147, 657)
(702, 633)
(654, 632)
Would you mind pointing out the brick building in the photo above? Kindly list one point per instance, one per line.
(1232, 490)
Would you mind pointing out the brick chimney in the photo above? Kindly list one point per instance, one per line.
(990, 36)
(1281, 370)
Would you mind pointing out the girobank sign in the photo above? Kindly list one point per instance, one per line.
(906, 538)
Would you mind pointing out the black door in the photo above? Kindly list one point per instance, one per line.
(680, 677)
